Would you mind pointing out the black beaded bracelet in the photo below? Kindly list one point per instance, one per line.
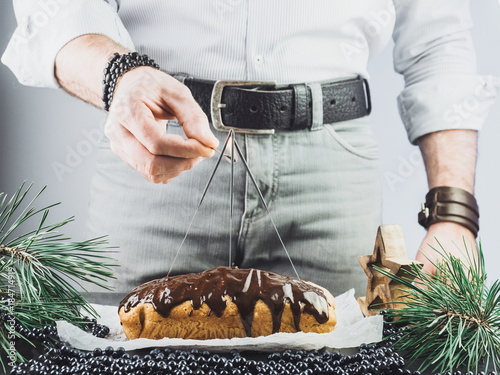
(118, 65)
(450, 204)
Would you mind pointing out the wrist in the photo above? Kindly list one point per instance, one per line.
(450, 227)
(79, 64)
(451, 205)
(117, 66)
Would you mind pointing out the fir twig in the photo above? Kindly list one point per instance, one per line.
(451, 319)
(41, 270)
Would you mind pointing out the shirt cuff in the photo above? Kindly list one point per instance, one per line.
(446, 102)
(42, 31)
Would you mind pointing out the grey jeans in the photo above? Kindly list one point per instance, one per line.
(322, 187)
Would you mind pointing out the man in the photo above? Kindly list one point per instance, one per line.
(319, 175)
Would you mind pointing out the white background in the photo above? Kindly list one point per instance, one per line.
(46, 138)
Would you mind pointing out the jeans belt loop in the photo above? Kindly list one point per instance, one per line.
(181, 77)
(301, 106)
(317, 105)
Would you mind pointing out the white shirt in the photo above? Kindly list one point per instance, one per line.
(288, 41)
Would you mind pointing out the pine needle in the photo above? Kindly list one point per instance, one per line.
(41, 270)
(451, 319)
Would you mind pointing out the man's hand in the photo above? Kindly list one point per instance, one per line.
(144, 100)
(450, 160)
(446, 237)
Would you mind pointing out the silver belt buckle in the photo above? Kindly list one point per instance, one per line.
(216, 106)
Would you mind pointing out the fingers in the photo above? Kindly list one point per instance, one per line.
(192, 118)
(155, 168)
(144, 99)
(164, 98)
(151, 133)
(427, 264)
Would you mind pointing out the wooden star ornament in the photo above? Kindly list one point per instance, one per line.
(389, 254)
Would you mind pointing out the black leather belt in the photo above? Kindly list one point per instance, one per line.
(263, 107)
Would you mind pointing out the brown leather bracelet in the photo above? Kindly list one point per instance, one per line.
(450, 204)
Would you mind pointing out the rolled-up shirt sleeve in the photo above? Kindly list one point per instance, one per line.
(434, 51)
(45, 26)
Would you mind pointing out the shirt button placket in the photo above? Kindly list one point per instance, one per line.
(255, 59)
(258, 60)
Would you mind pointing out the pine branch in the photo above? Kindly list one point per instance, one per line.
(41, 270)
(451, 319)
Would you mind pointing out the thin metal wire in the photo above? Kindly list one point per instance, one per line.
(221, 155)
(234, 144)
(231, 194)
(254, 181)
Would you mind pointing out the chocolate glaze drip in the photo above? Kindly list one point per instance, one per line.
(244, 286)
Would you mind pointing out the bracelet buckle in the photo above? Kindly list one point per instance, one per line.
(448, 204)
(423, 215)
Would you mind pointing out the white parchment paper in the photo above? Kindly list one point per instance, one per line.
(351, 331)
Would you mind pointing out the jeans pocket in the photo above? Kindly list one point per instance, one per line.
(356, 137)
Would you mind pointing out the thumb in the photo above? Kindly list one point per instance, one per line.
(194, 121)
(196, 126)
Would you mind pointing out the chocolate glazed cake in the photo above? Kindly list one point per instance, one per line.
(226, 302)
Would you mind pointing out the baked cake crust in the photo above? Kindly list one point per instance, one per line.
(226, 302)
